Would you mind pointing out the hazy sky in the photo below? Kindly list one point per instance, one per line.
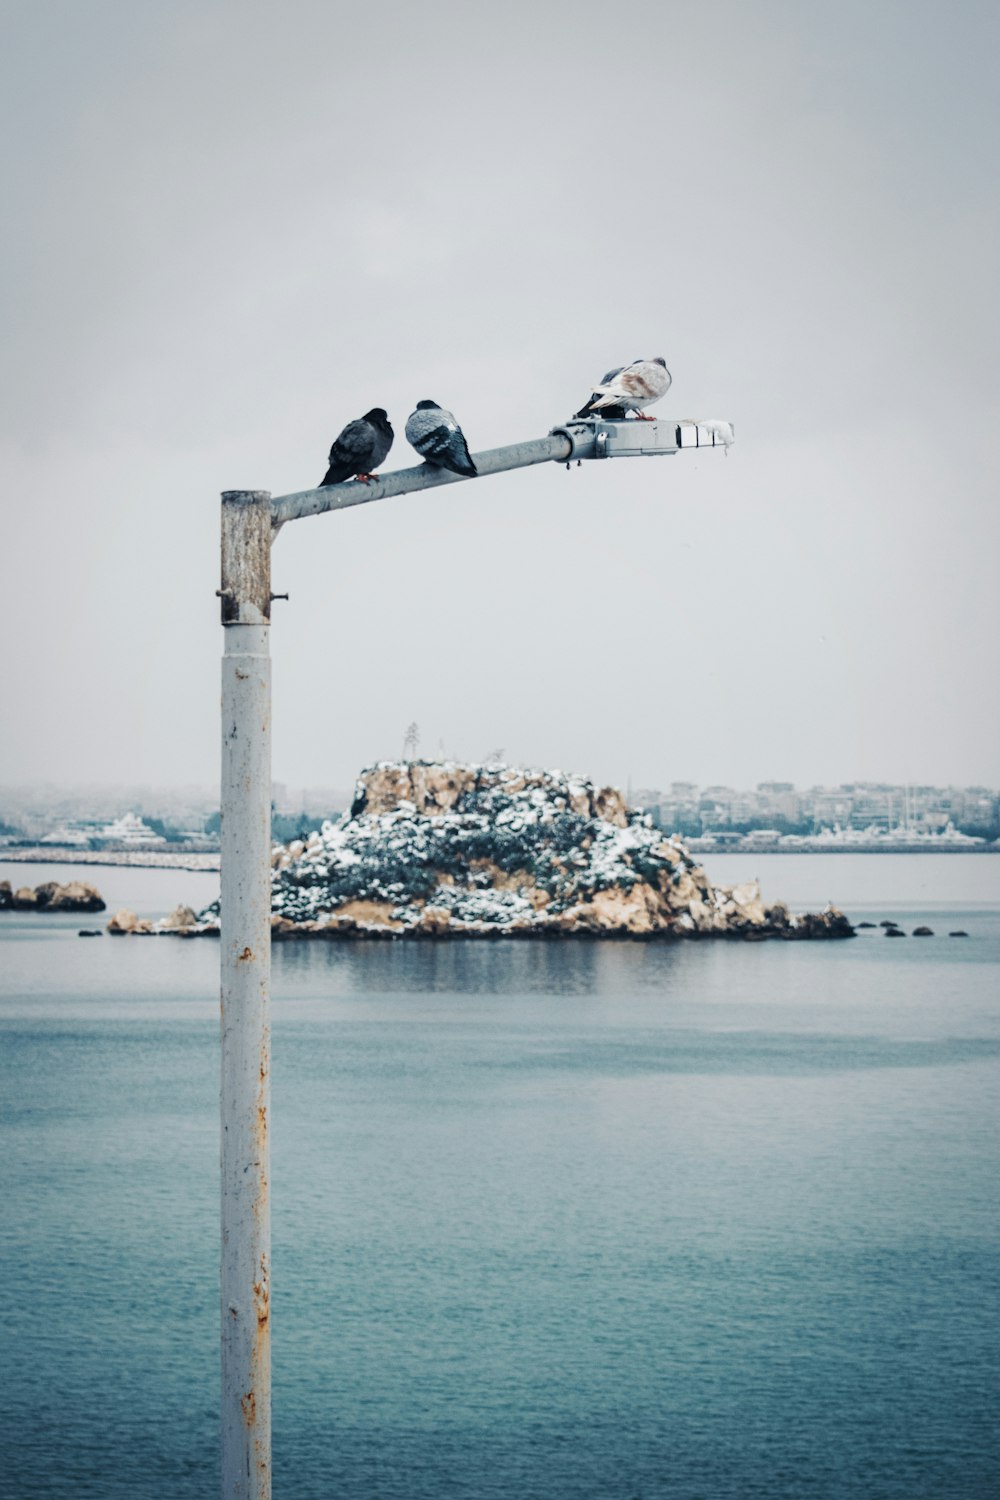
(231, 227)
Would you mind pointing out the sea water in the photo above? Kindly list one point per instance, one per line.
(573, 1220)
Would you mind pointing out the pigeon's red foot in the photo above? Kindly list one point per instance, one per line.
(364, 478)
(641, 415)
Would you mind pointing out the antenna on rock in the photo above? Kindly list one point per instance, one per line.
(411, 740)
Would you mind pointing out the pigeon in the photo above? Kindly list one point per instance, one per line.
(438, 439)
(360, 448)
(613, 413)
(638, 384)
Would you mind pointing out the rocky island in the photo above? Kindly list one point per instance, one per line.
(432, 850)
(76, 895)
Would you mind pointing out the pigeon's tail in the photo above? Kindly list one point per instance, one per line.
(612, 413)
(605, 396)
(335, 474)
(457, 459)
(463, 462)
(446, 448)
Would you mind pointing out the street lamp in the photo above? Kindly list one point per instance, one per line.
(250, 521)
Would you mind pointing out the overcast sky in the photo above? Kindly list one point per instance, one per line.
(232, 227)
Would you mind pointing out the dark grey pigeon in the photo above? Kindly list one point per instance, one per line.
(360, 448)
(438, 439)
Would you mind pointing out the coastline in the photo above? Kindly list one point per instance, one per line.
(149, 859)
(871, 847)
(157, 859)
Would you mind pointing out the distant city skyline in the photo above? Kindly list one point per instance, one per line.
(836, 801)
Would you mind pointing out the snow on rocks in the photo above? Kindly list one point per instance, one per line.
(433, 850)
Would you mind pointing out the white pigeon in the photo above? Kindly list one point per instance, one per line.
(638, 384)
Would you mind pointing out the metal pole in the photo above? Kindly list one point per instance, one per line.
(559, 446)
(245, 993)
(580, 438)
(250, 521)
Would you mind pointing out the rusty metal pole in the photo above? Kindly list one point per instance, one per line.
(250, 521)
(246, 995)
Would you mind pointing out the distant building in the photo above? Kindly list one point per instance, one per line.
(716, 807)
(684, 791)
(830, 807)
(780, 800)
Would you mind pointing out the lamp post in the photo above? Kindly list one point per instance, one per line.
(250, 521)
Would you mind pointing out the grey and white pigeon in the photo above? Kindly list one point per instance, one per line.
(438, 439)
(360, 448)
(633, 386)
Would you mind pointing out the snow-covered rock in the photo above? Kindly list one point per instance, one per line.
(434, 850)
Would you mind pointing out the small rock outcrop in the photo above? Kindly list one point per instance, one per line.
(181, 918)
(76, 895)
(125, 922)
(446, 850)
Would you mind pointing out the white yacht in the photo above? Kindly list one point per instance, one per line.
(68, 836)
(130, 829)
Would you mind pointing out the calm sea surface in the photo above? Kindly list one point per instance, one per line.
(567, 1221)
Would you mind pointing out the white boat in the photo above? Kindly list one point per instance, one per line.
(77, 838)
(130, 829)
